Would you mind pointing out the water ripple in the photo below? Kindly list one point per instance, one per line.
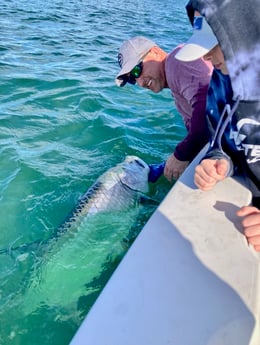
(63, 122)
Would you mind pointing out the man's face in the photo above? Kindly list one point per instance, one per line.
(217, 59)
(152, 76)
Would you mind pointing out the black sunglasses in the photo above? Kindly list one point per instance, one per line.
(133, 74)
(137, 70)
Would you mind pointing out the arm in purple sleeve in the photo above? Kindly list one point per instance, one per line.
(198, 134)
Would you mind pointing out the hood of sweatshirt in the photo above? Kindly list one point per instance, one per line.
(236, 24)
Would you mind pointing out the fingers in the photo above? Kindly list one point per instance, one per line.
(257, 247)
(174, 168)
(215, 168)
(167, 173)
(203, 179)
(205, 176)
(254, 240)
(209, 172)
(171, 175)
(247, 210)
(251, 225)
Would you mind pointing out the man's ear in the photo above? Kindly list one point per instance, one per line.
(155, 51)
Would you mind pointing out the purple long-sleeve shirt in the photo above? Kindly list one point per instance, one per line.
(189, 82)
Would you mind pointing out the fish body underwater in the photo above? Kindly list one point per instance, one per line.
(118, 188)
(88, 239)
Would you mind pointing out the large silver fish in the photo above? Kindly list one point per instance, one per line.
(83, 244)
(118, 188)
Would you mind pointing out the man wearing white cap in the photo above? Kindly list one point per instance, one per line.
(144, 63)
(230, 29)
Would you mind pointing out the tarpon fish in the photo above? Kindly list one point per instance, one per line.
(83, 245)
(118, 188)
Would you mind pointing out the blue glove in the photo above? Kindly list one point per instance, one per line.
(156, 170)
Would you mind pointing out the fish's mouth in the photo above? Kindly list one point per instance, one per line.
(140, 163)
(137, 160)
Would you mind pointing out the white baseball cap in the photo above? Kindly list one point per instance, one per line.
(200, 43)
(130, 54)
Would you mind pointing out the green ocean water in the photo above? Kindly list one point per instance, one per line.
(63, 122)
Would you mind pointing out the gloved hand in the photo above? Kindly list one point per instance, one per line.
(156, 170)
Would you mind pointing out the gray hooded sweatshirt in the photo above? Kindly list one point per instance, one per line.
(236, 25)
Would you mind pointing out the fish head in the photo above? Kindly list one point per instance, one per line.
(135, 173)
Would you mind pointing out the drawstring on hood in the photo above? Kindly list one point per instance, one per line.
(216, 141)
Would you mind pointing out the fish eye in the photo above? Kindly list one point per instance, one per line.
(139, 163)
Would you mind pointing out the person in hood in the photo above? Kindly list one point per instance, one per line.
(143, 62)
(228, 35)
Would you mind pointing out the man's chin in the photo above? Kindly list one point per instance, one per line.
(156, 90)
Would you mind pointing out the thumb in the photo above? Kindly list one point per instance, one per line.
(222, 166)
